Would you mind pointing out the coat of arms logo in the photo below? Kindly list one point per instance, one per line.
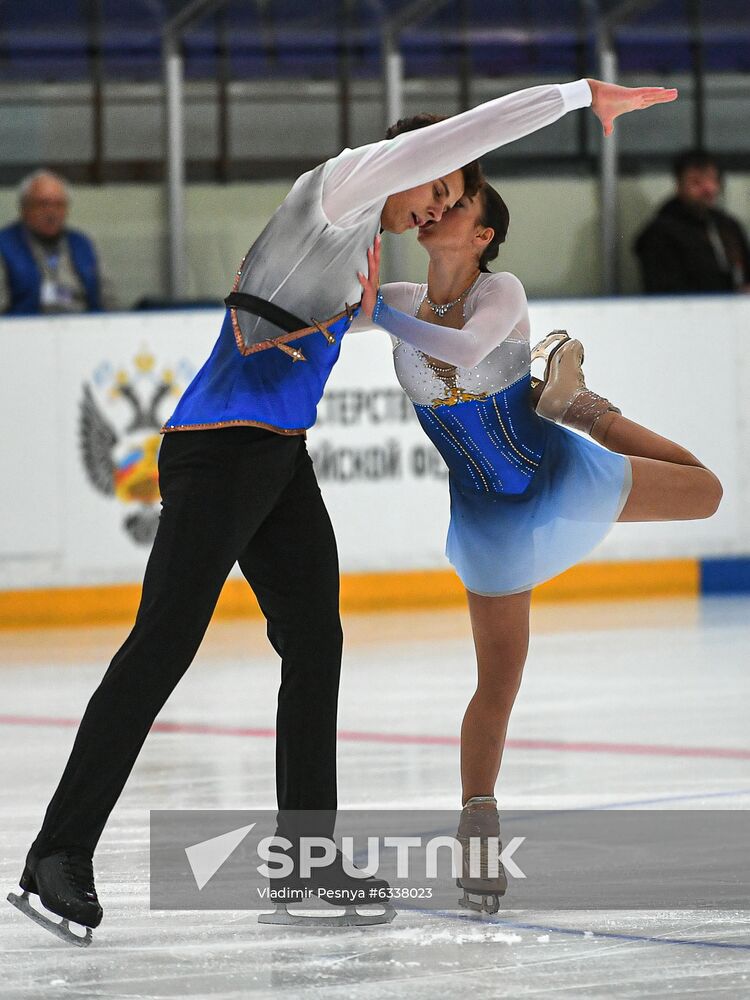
(120, 454)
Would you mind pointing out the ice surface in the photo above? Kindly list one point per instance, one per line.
(663, 684)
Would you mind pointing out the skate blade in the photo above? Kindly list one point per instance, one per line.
(350, 918)
(61, 930)
(487, 903)
(555, 339)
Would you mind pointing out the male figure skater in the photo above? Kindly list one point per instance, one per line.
(237, 484)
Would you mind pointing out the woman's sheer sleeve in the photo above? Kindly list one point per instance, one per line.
(501, 306)
(399, 294)
(358, 178)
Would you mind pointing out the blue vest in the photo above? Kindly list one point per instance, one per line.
(265, 389)
(24, 279)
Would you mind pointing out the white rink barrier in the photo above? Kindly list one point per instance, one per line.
(79, 501)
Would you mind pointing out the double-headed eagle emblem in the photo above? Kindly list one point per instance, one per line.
(124, 464)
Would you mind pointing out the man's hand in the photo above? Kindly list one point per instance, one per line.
(370, 283)
(608, 100)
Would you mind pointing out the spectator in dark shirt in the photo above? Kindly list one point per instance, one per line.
(44, 266)
(692, 246)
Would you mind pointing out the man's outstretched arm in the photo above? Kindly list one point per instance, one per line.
(360, 177)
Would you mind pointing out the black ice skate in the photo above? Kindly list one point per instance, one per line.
(365, 901)
(483, 874)
(64, 883)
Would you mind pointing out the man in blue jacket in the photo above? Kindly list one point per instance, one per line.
(46, 268)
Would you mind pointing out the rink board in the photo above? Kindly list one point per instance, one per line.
(677, 365)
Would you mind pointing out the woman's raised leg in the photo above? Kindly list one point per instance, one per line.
(669, 483)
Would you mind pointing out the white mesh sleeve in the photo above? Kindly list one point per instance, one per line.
(358, 178)
(500, 307)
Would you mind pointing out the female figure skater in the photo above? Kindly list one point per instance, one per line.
(529, 498)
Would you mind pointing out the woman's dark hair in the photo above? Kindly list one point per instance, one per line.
(493, 213)
(472, 172)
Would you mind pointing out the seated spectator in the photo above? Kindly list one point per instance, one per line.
(692, 246)
(44, 266)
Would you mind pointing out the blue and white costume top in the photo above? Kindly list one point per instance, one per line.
(528, 498)
(306, 259)
(474, 403)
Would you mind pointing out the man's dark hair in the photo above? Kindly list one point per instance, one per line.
(693, 159)
(495, 215)
(472, 172)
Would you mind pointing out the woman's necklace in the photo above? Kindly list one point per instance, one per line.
(441, 310)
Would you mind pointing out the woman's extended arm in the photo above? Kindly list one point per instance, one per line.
(501, 306)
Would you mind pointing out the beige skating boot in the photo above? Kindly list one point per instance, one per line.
(544, 351)
(483, 874)
(565, 397)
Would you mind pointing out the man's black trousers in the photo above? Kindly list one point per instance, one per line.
(245, 495)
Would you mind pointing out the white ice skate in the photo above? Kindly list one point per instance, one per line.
(483, 879)
(565, 397)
